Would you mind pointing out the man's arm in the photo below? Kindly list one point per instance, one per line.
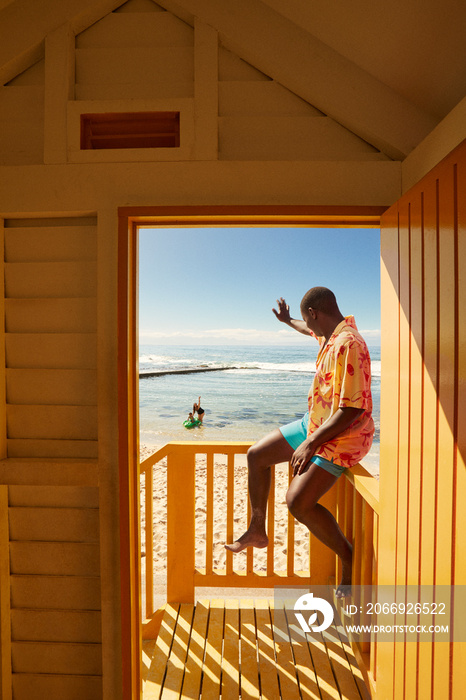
(283, 315)
(336, 424)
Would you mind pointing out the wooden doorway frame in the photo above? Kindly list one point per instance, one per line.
(130, 219)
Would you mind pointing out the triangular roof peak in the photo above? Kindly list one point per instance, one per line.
(340, 63)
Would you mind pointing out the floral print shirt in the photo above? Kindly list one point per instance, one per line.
(343, 378)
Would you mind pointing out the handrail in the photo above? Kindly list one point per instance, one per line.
(366, 484)
(154, 458)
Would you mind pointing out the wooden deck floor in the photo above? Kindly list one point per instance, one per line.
(222, 649)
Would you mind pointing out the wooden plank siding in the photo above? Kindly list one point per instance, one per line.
(55, 591)
(135, 55)
(50, 316)
(422, 524)
(49, 471)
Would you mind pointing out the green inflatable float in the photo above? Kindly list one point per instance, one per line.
(191, 423)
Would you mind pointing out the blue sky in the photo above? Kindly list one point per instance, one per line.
(216, 286)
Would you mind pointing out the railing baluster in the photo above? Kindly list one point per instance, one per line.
(349, 496)
(357, 551)
(366, 565)
(375, 545)
(357, 537)
(341, 519)
(290, 535)
(250, 550)
(230, 508)
(149, 537)
(209, 532)
(271, 524)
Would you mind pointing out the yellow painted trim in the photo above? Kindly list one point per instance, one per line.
(128, 438)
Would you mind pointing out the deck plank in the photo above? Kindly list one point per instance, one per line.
(212, 668)
(178, 654)
(230, 662)
(269, 686)
(249, 668)
(284, 656)
(341, 668)
(324, 673)
(355, 670)
(154, 677)
(303, 662)
(193, 671)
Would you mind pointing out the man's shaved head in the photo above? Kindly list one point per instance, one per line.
(321, 299)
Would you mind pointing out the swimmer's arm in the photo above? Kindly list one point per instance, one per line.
(336, 424)
(283, 315)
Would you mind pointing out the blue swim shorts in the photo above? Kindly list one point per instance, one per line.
(296, 432)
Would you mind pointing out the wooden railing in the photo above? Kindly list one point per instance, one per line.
(355, 504)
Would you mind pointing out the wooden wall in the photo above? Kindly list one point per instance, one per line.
(423, 414)
(50, 475)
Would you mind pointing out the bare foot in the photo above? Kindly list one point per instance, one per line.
(344, 589)
(249, 539)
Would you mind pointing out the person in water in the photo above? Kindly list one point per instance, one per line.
(190, 418)
(197, 409)
(332, 437)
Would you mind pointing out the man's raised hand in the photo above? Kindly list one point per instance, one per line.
(283, 313)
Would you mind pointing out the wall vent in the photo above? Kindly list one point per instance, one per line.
(130, 130)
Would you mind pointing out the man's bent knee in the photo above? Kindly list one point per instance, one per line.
(300, 504)
(271, 449)
(261, 453)
(254, 456)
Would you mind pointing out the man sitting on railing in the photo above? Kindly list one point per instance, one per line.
(333, 436)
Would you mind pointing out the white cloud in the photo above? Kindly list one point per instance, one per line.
(238, 336)
(217, 336)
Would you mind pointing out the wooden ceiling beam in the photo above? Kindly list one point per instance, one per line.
(314, 71)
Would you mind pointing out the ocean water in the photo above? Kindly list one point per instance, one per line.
(264, 387)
